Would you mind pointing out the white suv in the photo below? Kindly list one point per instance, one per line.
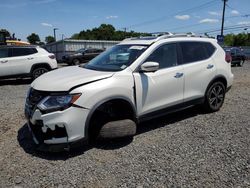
(25, 61)
(138, 79)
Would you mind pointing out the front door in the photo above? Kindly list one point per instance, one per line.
(163, 88)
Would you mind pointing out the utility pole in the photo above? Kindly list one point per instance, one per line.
(125, 31)
(54, 29)
(223, 15)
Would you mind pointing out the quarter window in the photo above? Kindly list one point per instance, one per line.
(23, 51)
(193, 51)
(210, 49)
(165, 55)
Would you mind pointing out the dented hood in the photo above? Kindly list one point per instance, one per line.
(64, 79)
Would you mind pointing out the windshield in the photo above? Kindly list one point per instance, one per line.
(80, 50)
(116, 58)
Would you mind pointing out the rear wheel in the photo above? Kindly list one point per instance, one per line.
(76, 61)
(38, 72)
(214, 97)
(241, 63)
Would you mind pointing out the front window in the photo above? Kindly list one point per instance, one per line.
(116, 58)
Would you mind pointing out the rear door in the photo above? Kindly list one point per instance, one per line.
(199, 68)
(163, 88)
(22, 59)
(5, 68)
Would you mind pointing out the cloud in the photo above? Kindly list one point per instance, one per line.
(244, 23)
(235, 12)
(46, 24)
(213, 13)
(111, 17)
(208, 20)
(182, 17)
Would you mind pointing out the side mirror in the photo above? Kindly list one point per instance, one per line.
(149, 67)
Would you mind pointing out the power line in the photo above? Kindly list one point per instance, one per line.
(226, 28)
(205, 5)
(198, 24)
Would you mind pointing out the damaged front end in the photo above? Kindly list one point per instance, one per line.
(52, 123)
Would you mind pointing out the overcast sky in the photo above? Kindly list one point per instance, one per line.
(24, 17)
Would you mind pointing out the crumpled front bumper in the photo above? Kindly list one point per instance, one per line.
(60, 127)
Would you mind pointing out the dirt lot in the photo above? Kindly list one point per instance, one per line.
(184, 149)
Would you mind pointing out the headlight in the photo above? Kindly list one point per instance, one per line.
(60, 102)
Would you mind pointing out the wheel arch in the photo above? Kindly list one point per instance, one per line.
(45, 65)
(217, 78)
(121, 99)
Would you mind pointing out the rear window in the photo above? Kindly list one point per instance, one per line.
(23, 51)
(196, 51)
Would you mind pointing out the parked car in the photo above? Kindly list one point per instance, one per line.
(238, 56)
(25, 61)
(81, 56)
(136, 80)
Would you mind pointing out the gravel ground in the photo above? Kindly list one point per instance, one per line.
(184, 149)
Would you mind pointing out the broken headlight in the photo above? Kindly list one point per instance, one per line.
(55, 103)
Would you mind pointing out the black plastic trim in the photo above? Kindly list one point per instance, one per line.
(171, 109)
(39, 65)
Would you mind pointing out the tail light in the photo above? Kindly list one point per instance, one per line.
(228, 57)
(52, 56)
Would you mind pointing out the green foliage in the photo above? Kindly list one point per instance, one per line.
(7, 33)
(105, 32)
(241, 39)
(33, 38)
(49, 39)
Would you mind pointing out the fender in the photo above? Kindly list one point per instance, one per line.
(220, 76)
(39, 64)
(93, 109)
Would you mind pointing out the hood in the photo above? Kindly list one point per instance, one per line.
(64, 79)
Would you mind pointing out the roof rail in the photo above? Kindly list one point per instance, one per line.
(164, 35)
(158, 34)
(190, 34)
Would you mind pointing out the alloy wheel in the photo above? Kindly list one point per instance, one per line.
(38, 72)
(216, 96)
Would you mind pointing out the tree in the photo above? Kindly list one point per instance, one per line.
(7, 33)
(33, 38)
(105, 32)
(49, 39)
(241, 39)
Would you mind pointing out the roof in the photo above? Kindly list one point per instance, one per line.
(151, 39)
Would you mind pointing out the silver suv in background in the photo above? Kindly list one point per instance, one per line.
(25, 61)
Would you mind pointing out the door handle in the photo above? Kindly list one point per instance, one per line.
(30, 58)
(5, 61)
(210, 66)
(178, 75)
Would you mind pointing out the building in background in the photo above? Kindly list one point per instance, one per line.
(69, 46)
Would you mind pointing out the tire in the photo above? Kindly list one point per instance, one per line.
(38, 72)
(118, 129)
(214, 97)
(76, 62)
(241, 63)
